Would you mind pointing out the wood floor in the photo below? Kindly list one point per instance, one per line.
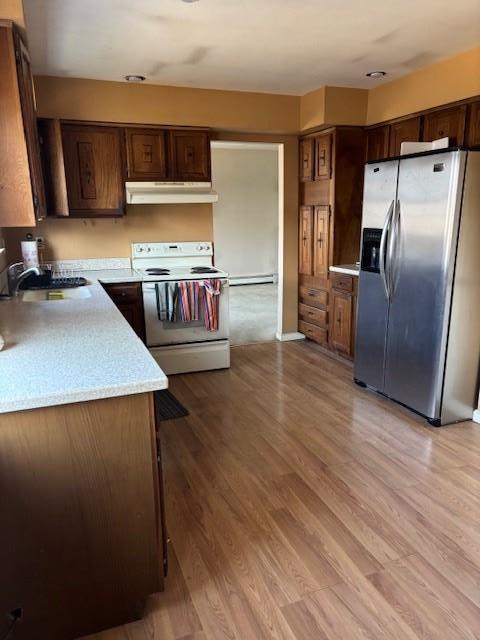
(302, 507)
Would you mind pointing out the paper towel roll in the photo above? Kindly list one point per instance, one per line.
(30, 253)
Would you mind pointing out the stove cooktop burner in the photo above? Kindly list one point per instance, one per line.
(156, 271)
(204, 270)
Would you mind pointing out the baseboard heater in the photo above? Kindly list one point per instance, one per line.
(257, 279)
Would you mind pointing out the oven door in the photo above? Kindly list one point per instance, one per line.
(160, 333)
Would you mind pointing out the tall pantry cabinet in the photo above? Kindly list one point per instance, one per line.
(331, 184)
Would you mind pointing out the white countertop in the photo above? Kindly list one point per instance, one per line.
(349, 269)
(64, 351)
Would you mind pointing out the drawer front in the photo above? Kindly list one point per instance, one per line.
(342, 281)
(313, 315)
(124, 293)
(314, 297)
(314, 333)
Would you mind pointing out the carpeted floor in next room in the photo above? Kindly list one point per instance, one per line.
(253, 313)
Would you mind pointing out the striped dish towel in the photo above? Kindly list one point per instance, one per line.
(211, 300)
(188, 301)
(167, 301)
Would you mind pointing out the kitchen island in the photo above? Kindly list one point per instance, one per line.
(80, 501)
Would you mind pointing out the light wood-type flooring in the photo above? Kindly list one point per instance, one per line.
(301, 507)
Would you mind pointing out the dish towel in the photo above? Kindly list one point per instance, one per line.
(188, 301)
(211, 299)
(166, 301)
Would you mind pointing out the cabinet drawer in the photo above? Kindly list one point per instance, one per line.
(341, 281)
(314, 297)
(314, 333)
(124, 293)
(313, 315)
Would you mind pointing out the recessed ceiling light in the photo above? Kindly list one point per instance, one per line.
(188, 1)
(134, 78)
(376, 74)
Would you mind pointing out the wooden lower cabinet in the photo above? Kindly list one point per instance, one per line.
(341, 324)
(343, 302)
(82, 530)
(327, 314)
(129, 300)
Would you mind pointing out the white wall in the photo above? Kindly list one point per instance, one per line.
(245, 219)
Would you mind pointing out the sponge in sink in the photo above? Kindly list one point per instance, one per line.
(55, 295)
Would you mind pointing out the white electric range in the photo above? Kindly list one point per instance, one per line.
(181, 347)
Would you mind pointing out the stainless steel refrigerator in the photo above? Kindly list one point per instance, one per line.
(418, 316)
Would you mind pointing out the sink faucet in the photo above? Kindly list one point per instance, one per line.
(16, 275)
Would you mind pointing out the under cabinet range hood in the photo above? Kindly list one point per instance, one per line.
(170, 192)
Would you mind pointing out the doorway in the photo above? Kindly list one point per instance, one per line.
(246, 229)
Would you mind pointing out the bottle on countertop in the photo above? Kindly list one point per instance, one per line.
(30, 252)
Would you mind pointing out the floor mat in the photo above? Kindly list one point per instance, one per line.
(167, 407)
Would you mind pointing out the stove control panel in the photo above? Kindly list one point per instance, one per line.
(171, 249)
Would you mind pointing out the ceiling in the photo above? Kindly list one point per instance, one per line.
(278, 46)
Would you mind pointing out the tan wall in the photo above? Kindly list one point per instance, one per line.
(333, 105)
(446, 81)
(121, 102)
(111, 238)
(345, 106)
(312, 109)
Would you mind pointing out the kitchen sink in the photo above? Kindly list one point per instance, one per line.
(41, 295)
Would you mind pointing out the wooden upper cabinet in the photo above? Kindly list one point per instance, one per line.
(321, 236)
(446, 122)
(93, 157)
(306, 241)
(306, 160)
(22, 197)
(189, 155)
(146, 154)
(404, 131)
(473, 134)
(323, 157)
(341, 321)
(378, 143)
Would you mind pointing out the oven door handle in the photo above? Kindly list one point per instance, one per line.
(150, 286)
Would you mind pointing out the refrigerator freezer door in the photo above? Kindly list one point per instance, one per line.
(380, 190)
(423, 255)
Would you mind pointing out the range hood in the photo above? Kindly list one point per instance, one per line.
(170, 192)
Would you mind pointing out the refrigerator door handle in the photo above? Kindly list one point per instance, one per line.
(396, 239)
(384, 272)
(392, 248)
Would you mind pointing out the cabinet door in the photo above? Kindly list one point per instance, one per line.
(190, 155)
(446, 122)
(94, 170)
(323, 157)
(341, 321)
(27, 99)
(473, 136)
(21, 186)
(146, 154)
(306, 160)
(306, 241)
(378, 143)
(128, 299)
(404, 131)
(321, 241)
